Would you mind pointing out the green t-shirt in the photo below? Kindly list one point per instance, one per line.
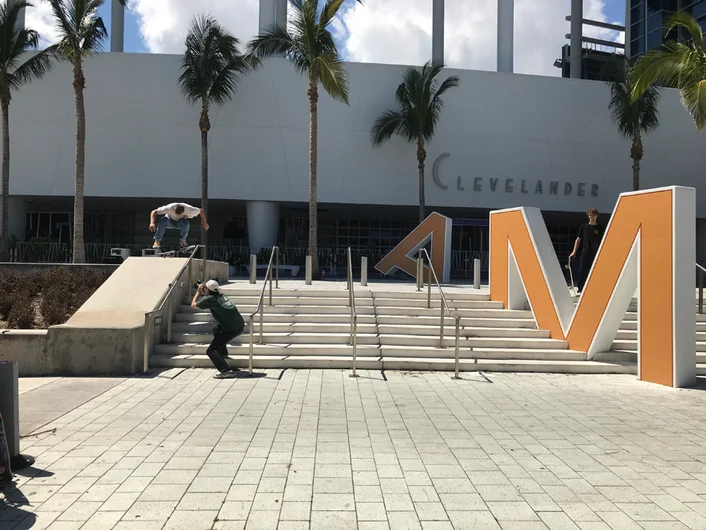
(224, 311)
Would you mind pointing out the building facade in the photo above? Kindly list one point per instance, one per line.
(646, 19)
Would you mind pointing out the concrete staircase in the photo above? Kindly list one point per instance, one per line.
(309, 328)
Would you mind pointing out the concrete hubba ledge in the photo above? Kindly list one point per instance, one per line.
(106, 335)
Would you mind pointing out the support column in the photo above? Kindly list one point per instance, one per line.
(17, 222)
(21, 16)
(437, 33)
(506, 35)
(272, 12)
(117, 26)
(576, 56)
(628, 33)
(263, 225)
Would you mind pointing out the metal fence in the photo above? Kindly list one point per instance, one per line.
(332, 261)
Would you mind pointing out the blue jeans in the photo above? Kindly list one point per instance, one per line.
(165, 222)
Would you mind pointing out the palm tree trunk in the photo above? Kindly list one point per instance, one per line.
(5, 226)
(636, 153)
(205, 124)
(421, 157)
(313, 152)
(79, 248)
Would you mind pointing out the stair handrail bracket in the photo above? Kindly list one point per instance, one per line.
(445, 311)
(149, 316)
(261, 306)
(354, 315)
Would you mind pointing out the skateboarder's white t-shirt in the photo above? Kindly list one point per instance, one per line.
(170, 211)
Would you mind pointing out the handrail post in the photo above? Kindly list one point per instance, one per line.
(169, 321)
(429, 288)
(308, 272)
(420, 268)
(262, 322)
(701, 291)
(188, 286)
(270, 275)
(355, 341)
(252, 325)
(147, 338)
(364, 271)
(441, 334)
(458, 332)
(476, 273)
(277, 271)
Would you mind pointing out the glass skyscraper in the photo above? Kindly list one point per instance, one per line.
(647, 18)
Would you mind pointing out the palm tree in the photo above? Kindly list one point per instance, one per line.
(81, 34)
(16, 69)
(211, 68)
(420, 104)
(677, 64)
(632, 117)
(310, 47)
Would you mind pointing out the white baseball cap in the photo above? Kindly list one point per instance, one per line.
(212, 285)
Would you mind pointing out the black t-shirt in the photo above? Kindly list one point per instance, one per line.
(590, 236)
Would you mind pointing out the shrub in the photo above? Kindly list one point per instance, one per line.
(8, 284)
(22, 314)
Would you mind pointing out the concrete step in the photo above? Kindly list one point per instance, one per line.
(449, 330)
(435, 304)
(474, 342)
(632, 335)
(280, 327)
(283, 318)
(402, 320)
(464, 313)
(631, 325)
(240, 300)
(281, 338)
(360, 292)
(631, 345)
(294, 309)
(364, 362)
(336, 350)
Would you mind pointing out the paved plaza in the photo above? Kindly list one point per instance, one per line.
(301, 449)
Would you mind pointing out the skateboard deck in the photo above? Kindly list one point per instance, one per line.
(177, 252)
(571, 276)
(5, 471)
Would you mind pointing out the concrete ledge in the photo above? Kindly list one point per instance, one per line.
(28, 348)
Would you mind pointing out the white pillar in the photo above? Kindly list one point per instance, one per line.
(17, 222)
(272, 12)
(628, 33)
(506, 35)
(117, 26)
(437, 33)
(21, 17)
(263, 225)
(576, 56)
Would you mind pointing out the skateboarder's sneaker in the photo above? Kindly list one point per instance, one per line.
(156, 244)
(183, 244)
(228, 374)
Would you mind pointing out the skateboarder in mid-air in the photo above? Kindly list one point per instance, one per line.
(175, 215)
(230, 325)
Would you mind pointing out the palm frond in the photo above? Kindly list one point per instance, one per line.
(385, 126)
(93, 33)
(275, 40)
(36, 66)
(631, 116)
(687, 21)
(330, 71)
(329, 12)
(694, 99)
(660, 66)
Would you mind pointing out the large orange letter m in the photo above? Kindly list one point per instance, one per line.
(648, 247)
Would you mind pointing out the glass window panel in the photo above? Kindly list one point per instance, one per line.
(654, 22)
(637, 31)
(654, 39)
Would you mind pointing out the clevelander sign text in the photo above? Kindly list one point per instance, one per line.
(508, 185)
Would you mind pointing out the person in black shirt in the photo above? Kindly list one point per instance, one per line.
(589, 239)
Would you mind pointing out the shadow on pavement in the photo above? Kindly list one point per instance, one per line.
(12, 514)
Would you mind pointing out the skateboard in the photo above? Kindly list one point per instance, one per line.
(571, 276)
(177, 252)
(5, 471)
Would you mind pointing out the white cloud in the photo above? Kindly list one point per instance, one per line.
(399, 31)
(164, 23)
(39, 17)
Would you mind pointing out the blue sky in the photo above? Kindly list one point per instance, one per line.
(615, 11)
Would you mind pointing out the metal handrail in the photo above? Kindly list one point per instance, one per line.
(260, 306)
(354, 314)
(700, 272)
(148, 330)
(445, 310)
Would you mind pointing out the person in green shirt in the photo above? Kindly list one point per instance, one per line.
(230, 325)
